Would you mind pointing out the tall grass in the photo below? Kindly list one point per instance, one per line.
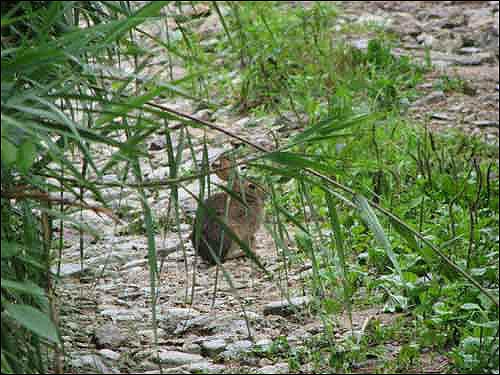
(55, 103)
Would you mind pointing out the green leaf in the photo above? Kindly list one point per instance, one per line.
(492, 324)
(9, 152)
(340, 247)
(25, 287)
(406, 234)
(410, 277)
(9, 249)
(478, 272)
(331, 306)
(396, 303)
(140, 16)
(34, 320)
(26, 155)
(441, 308)
(470, 306)
(6, 368)
(428, 255)
(372, 222)
(298, 161)
(124, 108)
(332, 124)
(292, 218)
(471, 344)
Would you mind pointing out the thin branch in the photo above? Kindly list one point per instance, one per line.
(42, 196)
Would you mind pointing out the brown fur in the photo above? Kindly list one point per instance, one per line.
(244, 216)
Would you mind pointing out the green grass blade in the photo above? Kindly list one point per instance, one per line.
(34, 320)
(371, 220)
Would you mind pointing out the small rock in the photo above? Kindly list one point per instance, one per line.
(465, 60)
(454, 20)
(442, 116)
(252, 316)
(469, 50)
(222, 325)
(110, 336)
(374, 19)
(185, 227)
(177, 314)
(264, 344)
(156, 174)
(148, 335)
(135, 263)
(441, 64)
(426, 39)
(361, 44)
(157, 145)
(91, 361)
(189, 10)
(456, 108)
(192, 348)
(242, 122)
(469, 89)
(213, 347)
(70, 269)
(204, 367)
(285, 307)
(298, 336)
(476, 59)
(211, 25)
(490, 98)
(178, 72)
(405, 24)
(209, 45)
(110, 178)
(280, 368)
(237, 349)
(198, 323)
(109, 354)
(433, 97)
(427, 85)
(314, 328)
(175, 358)
(229, 326)
(121, 314)
(168, 371)
(74, 326)
(486, 123)
(470, 118)
(265, 362)
(204, 114)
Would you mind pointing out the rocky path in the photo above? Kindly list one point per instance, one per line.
(105, 309)
(462, 40)
(107, 315)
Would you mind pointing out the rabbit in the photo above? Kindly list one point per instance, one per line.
(243, 219)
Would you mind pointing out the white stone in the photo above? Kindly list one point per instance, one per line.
(175, 358)
(110, 354)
